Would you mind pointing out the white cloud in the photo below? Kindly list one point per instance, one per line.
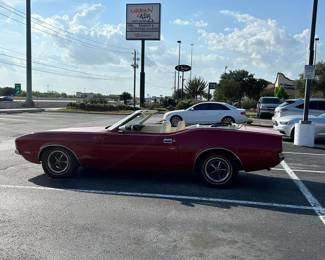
(85, 39)
(195, 23)
(179, 21)
(262, 44)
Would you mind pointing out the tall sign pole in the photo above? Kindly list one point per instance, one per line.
(309, 80)
(304, 131)
(142, 75)
(143, 23)
(29, 97)
(135, 66)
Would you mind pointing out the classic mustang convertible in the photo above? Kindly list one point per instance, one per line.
(216, 152)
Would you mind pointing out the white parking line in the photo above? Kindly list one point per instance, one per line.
(316, 154)
(320, 211)
(165, 196)
(298, 170)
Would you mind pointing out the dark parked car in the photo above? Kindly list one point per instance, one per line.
(6, 98)
(266, 106)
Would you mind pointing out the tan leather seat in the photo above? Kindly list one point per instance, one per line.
(166, 127)
(180, 126)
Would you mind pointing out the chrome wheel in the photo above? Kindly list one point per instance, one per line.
(228, 120)
(58, 162)
(174, 120)
(217, 170)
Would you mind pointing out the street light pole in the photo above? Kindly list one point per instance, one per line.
(316, 40)
(29, 96)
(135, 66)
(191, 61)
(179, 62)
(309, 82)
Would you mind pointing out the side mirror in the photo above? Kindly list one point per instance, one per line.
(191, 109)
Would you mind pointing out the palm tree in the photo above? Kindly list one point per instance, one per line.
(125, 96)
(195, 87)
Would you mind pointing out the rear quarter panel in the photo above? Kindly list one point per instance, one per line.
(256, 151)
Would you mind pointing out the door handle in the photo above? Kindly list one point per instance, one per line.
(168, 140)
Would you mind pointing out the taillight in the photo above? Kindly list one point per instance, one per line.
(243, 113)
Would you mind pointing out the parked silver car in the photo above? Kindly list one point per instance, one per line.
(286, 125)
(296, 107)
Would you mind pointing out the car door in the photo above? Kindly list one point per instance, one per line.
(199, 114)
(217, 112)
(136, 150)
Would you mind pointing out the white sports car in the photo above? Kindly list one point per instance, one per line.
(207, 113)
(286, 125)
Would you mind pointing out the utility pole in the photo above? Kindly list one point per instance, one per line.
(179, 62)
(29, 98)
(304, 130)
(191, 61)
(175, 82)
(135, 66)
(142, 75)
(309, 82)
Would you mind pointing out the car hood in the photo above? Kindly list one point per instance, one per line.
(292, 118)
(80, 129)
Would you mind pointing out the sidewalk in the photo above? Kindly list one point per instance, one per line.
(20, 110)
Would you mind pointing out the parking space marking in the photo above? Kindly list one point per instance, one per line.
(299, 170)
(316, 154)
(166, 196)
(317, 207)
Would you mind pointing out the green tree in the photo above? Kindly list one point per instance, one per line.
(195, 87)
(246, 85)
(177, 94)
(125, 96)
(228, 90)
(7, 91)
(280, 92)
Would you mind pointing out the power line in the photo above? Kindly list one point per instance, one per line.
(52, 66)
(45, 62)
(57, 30)
(63, 74)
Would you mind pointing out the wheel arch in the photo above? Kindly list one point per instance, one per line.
(220, 151)
(45, 147)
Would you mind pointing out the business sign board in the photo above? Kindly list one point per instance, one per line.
(212, 85)
(143, 21)
(17, 89)
(183, 68)
(309, 72)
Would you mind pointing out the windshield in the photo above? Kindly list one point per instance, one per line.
(270, 100)
(287, 102)
(138, 117)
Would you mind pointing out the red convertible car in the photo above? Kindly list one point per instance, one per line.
(215, 152)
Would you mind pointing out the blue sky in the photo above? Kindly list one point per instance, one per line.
(263, 37)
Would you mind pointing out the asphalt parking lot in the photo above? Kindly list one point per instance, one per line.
(275, 214)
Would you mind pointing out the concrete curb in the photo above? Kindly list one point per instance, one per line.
(21, 110)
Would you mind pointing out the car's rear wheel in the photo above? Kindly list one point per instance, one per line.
(228, 120)
(58, 162)
(174, 120)
(218, 170)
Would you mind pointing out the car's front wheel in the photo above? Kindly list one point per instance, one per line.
(58, 162)
(174, 120)
(217, 170)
